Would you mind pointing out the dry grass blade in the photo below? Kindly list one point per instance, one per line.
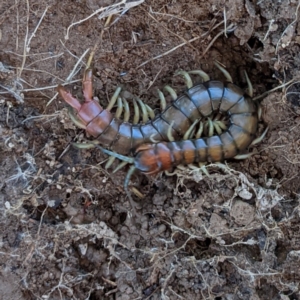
(182, 44)
(16, 94)
(289, 83)
(289, 30)
(28, 41)
(106, 12)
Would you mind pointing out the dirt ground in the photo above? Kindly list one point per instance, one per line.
(68, 230)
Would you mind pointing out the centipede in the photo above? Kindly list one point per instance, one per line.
(168, 139)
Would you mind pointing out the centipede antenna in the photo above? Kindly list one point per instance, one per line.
(136, 116)
(224, 71)
(189, 132)
(250, 87)
(114, 98)
(150, 112)
(120, 108)
(200, 131)
(144, 110)
(74, 118)
(120, 166)
(163, 103)
(127, 110)
(187, 78)
(130, 160)
(169, 133)
(110, 161)
(260, 138)
(201, 73)
(171, 91)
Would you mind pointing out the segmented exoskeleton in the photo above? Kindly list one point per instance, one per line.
(154, 144)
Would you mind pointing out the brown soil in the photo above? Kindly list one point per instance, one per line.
(68, 230)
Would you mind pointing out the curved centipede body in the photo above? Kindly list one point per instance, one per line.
(195, 103)
(155, 144)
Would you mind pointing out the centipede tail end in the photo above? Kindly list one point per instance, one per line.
(68, 97)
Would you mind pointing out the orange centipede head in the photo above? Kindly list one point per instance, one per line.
(145, 159)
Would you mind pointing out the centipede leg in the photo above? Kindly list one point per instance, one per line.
(187, 78)
(126, 110)
(171, 91)
(114, 98)
(192, 167)
(243, 156)
(221, 125)
(168, 173)
(150, 112)
(224, 71)
(75, 120)
(201, 167)
(145, 117)
(126, 183)
(110, 161)
(204, 169)
(153, 140)
(122, 104)
(137, 193)
(163, 102)
(210, 127)
(119, 110)
(259, 112)
(85, 145)
(260, 138)
(169, 133)
(250, 87)
(190, 131)
(130, 172)
(217, 128)
(200, 131)
(254, 142)
(120, 166)
(136, 116)
(201, 73)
